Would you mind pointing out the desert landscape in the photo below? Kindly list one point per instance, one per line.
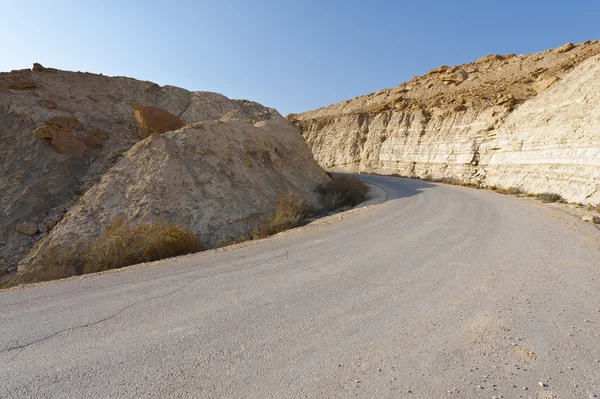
(160, 242)
(82, 151)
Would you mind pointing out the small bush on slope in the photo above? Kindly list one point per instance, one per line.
(343, 191)
(290, 211)
(550, 197)
(121, 245)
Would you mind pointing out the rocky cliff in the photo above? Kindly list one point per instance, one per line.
(80, 149)
(530, 121)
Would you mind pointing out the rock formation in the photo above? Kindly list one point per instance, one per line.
(79, 149)
(529, 121)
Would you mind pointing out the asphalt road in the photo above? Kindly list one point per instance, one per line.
(442, 291)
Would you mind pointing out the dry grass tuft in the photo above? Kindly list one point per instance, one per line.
(510, 190)
(121, 245)
(457, 182)
(550, 197)
(290, 211)
(343, 191)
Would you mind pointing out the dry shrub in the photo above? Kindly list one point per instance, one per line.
(550, 197)
(290, 211)
(123, 245)
(53, 264)
(514, 191)
(457, 182)
(510, 190)
(120, 245)
(343, 191)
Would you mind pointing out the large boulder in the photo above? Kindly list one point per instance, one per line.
(155, 120)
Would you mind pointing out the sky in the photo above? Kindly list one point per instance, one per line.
(290, 55)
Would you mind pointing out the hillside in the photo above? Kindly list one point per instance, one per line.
(529, 121)
(79, 150)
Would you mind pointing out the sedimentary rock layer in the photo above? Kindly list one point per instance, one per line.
(529, 121)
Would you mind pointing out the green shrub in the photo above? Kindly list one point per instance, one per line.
(550, 197)
(343, 191)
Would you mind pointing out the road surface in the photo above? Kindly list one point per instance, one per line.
(441, 291)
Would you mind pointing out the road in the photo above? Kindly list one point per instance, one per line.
(441, 291)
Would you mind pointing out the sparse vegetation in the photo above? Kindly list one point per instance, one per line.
(121, 245)
(550, 197)
(514, 191)
(290, 211)
(510, 190)
(456, 182)
(343, 191)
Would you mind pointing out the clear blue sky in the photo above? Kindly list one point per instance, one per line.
(291, 55)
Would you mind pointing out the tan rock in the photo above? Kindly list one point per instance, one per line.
(43, 180)
(591, 219)
(211, 177)
(22, 85)
(95, 138)
(48, 104)
(26, 228)
(57, 130)
(542, 84)
(565, 48)
(40, 68)
(155, 120)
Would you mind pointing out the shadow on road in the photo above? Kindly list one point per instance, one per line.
(395, 187)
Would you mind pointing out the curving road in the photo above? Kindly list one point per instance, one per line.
(442, 291)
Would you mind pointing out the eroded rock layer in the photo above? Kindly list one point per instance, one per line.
(529, 121)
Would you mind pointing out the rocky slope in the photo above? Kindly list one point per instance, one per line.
(80, 149)
(530, 121)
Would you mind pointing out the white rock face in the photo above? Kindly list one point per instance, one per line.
(552, 142)
(528, 121)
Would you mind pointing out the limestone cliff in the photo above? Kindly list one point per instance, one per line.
(530, 121)
(90, 147)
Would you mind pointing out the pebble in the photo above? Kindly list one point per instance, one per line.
(542, 384)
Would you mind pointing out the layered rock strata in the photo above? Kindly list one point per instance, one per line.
(528, 121)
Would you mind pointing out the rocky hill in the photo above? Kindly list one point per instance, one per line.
(79, 150)
(529, 121)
